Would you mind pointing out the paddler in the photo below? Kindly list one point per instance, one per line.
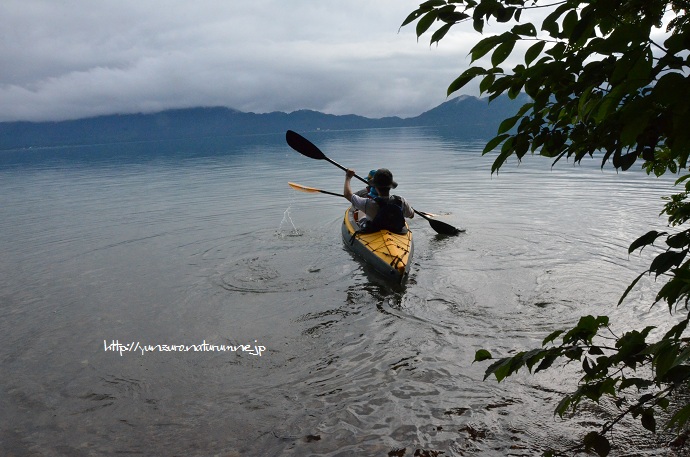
(384, 211)
(368, 191)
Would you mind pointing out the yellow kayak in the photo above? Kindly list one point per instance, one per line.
(388, 253)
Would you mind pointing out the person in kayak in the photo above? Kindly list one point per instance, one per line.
(368, 191)
(383, 212)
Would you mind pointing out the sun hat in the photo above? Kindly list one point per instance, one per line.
(383, 178)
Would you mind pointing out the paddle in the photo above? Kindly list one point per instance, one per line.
(307, 148)
(312, 190)
(302, 188)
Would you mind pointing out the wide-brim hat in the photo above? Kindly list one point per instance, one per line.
(383, 178)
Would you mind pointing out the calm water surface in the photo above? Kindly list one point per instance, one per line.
(181, 243)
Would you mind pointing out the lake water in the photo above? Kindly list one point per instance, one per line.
(109, 247)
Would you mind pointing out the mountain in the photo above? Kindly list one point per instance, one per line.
(470, 116)
(467, 116)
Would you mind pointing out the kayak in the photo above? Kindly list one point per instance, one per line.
(388, 253)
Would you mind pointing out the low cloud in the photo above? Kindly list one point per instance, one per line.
(64, 60)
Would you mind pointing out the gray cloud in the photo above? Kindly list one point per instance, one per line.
(79, 58)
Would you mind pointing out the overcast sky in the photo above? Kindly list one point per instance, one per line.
(65, 59)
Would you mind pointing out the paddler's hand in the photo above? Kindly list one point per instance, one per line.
(349, 173)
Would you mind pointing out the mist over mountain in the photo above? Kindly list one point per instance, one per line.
(467, 116)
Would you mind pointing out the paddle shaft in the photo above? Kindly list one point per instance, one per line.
(308, 189)
(331, 193)
(345, 169)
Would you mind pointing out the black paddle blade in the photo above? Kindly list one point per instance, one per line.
(303, 145)
(443, 228)
(440, 227)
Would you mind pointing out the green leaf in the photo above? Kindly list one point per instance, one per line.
(642, 67)
(412, 17)
(569, 22)
(587, 366)
(594, 350)
(423, 9)
(491, 145)
(531, 358)
(486, 83)
(583, 29)
(630, 287)
(624, 162)
(534, 51)
(678, 241)
(440, 33)
(503, 368)
(677, 330)
(678, 374)
(630, 345)
(524, 108)
(622, 68)
(645, 240)
(679, 419)
(565, 403)
(500, 86)
(648, 420)
(665, 261)
(679, 139)
(557, 51)
(507, 124)
(663, 402)
(547, 362)
(635, 120)
(574, 353)
(671, 291)
(636, 382)
(502, 157)
(666, 88)
(585, 330)
(682, 357)
(601, 445)
(484, 46)
(550, 23)
(552, 337)
(664, 358)
(452, 18)
(478, 24)
(481, 355)
(467, 76)
(515, 90)
(502, 52)
(504, 14)
(527, 29)
(675, 43)
(425, 22)
(682, 179)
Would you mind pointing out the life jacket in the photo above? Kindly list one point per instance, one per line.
(389, 217)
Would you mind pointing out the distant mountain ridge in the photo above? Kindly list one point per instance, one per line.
(468, 116)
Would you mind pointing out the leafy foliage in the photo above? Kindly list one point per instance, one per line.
(597, 80)
(605, 77)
